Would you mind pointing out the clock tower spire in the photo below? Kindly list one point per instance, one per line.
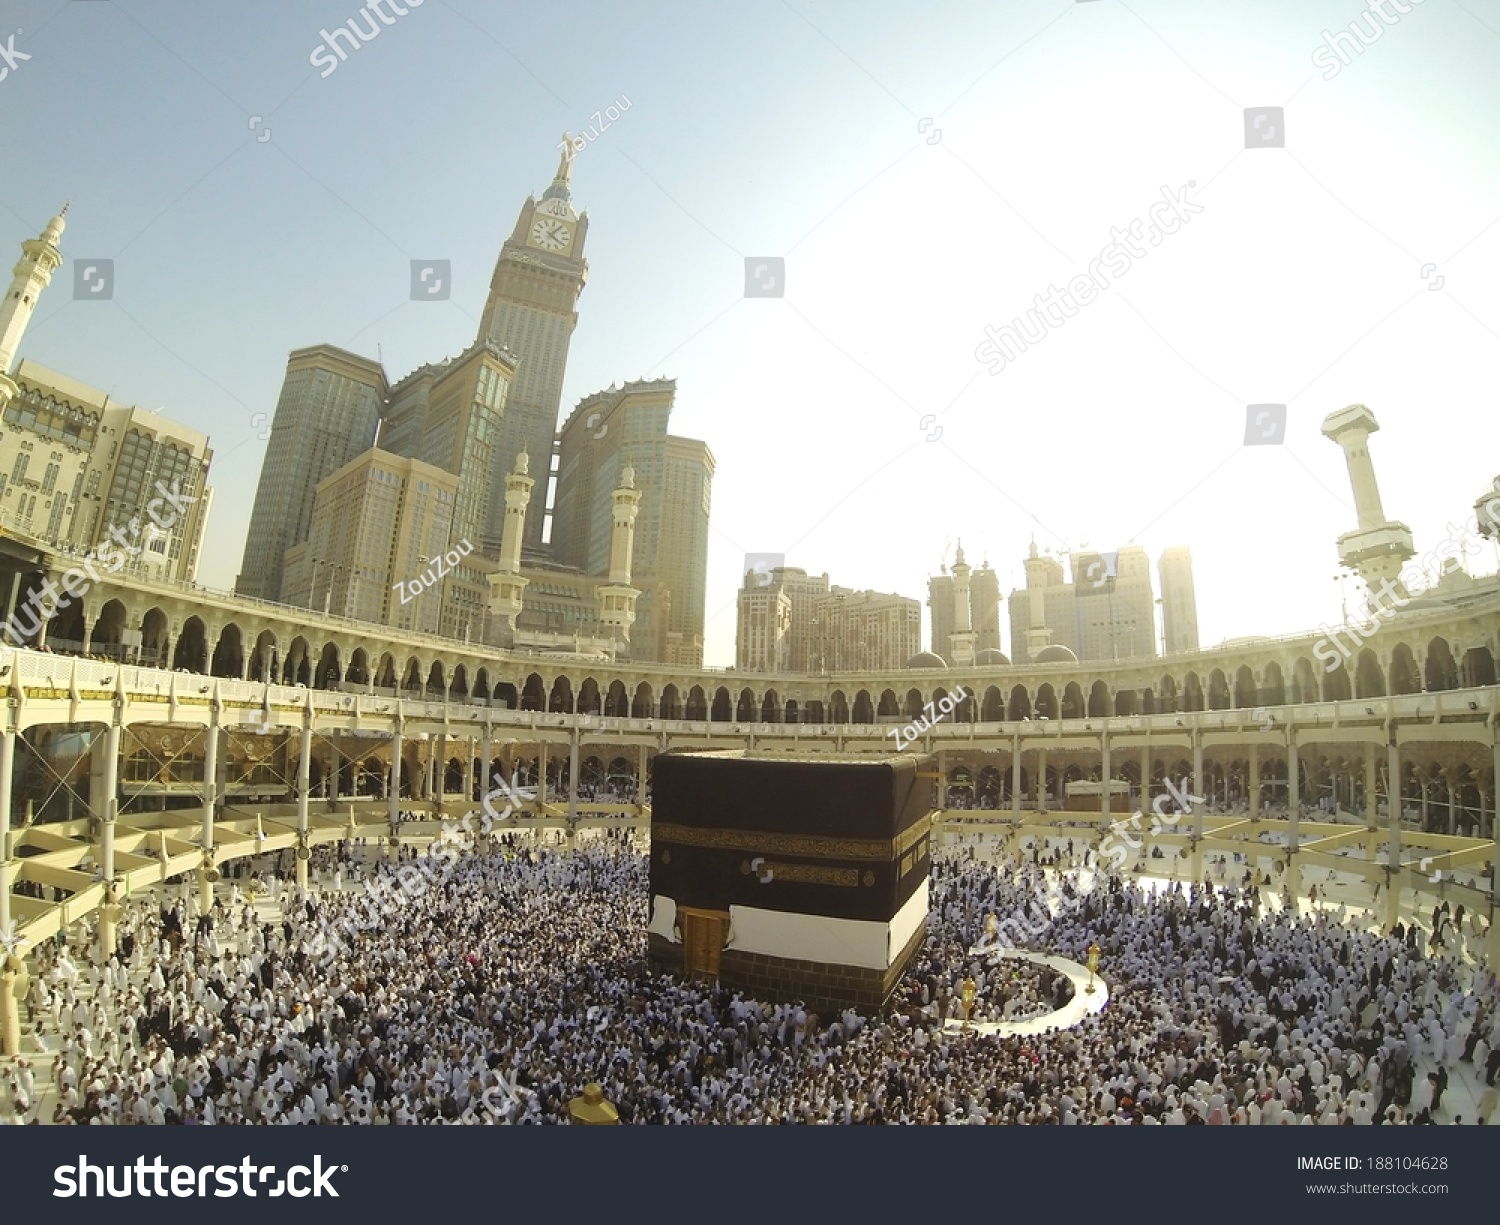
(531, 310)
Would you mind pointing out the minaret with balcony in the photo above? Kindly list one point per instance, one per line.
(617, 597)
(40, 258)
(507, 584)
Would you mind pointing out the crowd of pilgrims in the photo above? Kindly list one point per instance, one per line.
(519, 976)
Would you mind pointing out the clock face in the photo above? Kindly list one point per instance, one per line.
(550, 234)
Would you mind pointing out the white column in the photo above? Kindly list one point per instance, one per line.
(573, 754)
(304, 784)
(1015, 777)
(107, 836)
(394, 797)
(1106, 812)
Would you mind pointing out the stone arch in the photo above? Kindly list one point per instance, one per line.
(642, 706)
(770, 707)
(560, 699)
(1405, 676)
(1046, 702)
(697, 704)
(459, 689)
(229, 654)
(617, 701)
(329, 675)
(1369, 681)
(792, 712)
(838, 707)
(1098, 700)
(1304, 682)
(66, 625)
(1127, 702)
(1072, 706)
(534, 693)
(1442, 672)
(1273, 690)
(1245, 692)
(1192, 692)
(590, 701)
(411, 678)
(1020, 704)
(1218, 690)
(1478, 668)
(437, 681)
(723, 710)
(155, 639)
(963, 710)
(913, 703)
(1168, 699)
(482, 691)
(992, 709)
(814, 713)
(359, 668)
(744, 710)
(108, 632)
(1336, 685)
(889, 707)
(191, 652)
(864, 709)
(671, 703)
(385, 674)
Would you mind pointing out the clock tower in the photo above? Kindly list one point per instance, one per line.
(531, 311)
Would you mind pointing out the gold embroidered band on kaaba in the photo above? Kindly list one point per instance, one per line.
(877, 850)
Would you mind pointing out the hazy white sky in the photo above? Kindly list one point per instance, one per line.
(924, 171)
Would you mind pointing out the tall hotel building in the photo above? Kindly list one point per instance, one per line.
(473, 417)
(331, 402)
(531, 311)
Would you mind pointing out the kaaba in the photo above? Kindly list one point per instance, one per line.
(791, 878)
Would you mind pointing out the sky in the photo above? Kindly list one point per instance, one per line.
(924, 172)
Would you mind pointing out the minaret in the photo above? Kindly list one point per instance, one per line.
(1037, 633)
(40, 258)
(617, 597)
(1379, 547)
(507, 584)
(961, 640)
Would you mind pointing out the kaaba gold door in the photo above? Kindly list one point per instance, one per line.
(703, 933)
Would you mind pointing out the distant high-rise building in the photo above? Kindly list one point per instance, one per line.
(380, 522)
(330, 405)
(1042, 612)
(777, 626)
(74, 465)
(1179, 603)
(860, 630)
(984, 610)
(451, 415)
(627, 428)
(1115, 614)
(531, 311)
